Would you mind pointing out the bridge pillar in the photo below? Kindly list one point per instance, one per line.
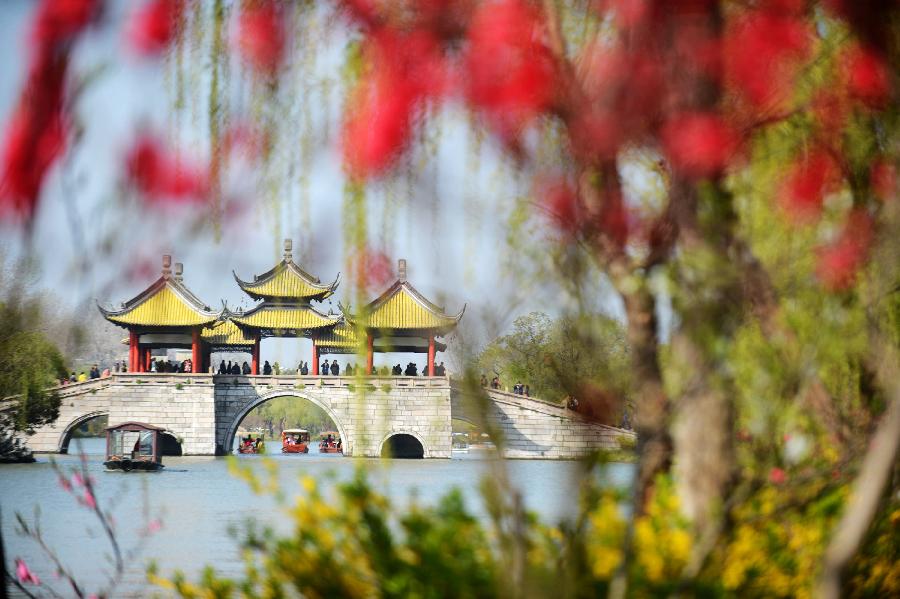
(132, 351)
(196, 361)
(254, 356)
(431, 355)
(370, 351)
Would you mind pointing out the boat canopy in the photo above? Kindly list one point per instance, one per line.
(295, 431)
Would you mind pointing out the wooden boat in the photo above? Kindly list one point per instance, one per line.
(133, 446)
(294, 440)
(330, 442)
(252, 443)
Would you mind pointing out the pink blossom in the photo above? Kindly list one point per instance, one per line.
(77, 479)
(777, 476)
(65, 484)
(89, 499)
(154, 526)
(261, 36)
(24, 573)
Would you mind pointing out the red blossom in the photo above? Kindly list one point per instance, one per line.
(406, 68)
(510, 72)
(763, 50)
(59, 21)
(562, 204)
(699, 144)
(159, 176)
(838, 262)
(261, 36)
(806, 185)
(89, 499)
(777, 476)
(153, 26)
(868, 77)
(883, 179)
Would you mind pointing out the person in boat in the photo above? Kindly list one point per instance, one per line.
(267, 368)
(338, 443)
(258, 442)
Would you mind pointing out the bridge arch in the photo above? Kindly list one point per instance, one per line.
(347, 442)
(403, 444)
(66, 435)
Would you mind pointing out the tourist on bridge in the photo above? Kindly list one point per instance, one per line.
(94, 372)
(267, 368)
(348, 370)
(335, 369)
(397, 370)
(484, 381)
(222, 367)
(245, 368)
(495, 382)
(324, 369)
(304, 368)
(440, 370)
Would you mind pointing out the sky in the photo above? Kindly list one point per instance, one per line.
(93, 241)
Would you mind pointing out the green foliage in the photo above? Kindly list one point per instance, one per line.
(559, 358)
(29, 365)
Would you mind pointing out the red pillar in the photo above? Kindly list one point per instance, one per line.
(143, 358)
(315, 358)
(196, 363)
(132, 351)
(254, 356)
(431, 355)
(370, 352)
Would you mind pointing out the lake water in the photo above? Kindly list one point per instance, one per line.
(199, 501)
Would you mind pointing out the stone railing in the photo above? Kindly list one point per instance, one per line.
(282, 380)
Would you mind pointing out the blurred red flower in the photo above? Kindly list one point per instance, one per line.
(58, 21)
(838, 262)
(777, 476)
(763, 50)
(868, 77)
(806, 184)
(562, 204)
(405, 69)
(699, 144)
(883, 179)
(159, 177)
(510, 72)
(154, 25)
(261, 36)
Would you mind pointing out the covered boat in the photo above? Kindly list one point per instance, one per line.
(330, 442)
(133, 446)
(294, 440)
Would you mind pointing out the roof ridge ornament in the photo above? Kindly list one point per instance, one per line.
(288, 249)
(401, 270)
(167, 266)
(178, 275)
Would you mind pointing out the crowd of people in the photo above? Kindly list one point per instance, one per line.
(327, 368)
(518, 388)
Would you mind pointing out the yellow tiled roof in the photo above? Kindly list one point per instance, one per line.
(164, 307)
(403, 308)
(341, 336)
(287, 281)
(284, 317)
(226, 333)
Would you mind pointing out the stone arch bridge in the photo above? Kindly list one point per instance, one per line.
(203, 411)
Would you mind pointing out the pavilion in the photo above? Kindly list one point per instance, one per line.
(168, 315)
(287, 292)
(400, 320)
(165, 315)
